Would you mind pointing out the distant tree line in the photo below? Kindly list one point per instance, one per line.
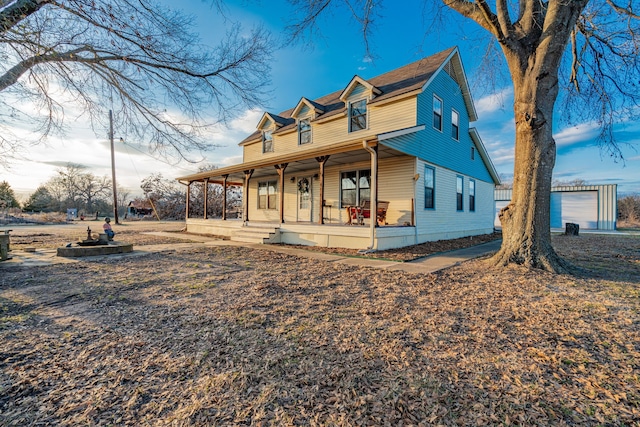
(72, 187)
(629, 210)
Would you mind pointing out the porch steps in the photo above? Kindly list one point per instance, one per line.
(256, 234)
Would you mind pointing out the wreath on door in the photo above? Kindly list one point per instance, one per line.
(303, 185)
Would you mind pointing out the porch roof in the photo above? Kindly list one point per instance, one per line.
(304, 159)
(342, 153)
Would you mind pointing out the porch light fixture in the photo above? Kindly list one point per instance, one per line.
(292, 179)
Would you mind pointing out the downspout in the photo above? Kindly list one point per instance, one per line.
(373, 202)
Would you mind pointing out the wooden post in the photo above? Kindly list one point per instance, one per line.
(186, 215)
(224, 197)
(205, 184)
(322, 160)
(281, 168)
(113, 169)
(247, 176)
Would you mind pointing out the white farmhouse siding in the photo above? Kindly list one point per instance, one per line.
(445, 221)
(395, 185)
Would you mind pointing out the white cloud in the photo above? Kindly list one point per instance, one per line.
(576, 134)
(494, 102)
(247, 122)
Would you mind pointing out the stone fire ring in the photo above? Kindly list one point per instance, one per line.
(82, 251)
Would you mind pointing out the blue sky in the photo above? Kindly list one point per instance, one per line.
(402, 35)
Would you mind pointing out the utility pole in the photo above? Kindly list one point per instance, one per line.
(113, 169)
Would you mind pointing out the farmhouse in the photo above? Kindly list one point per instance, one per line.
(381, 163)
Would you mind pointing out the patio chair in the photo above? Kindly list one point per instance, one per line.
(359, 213)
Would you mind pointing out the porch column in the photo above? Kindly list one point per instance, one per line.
(205, 184)
(186, 214)
(373, 203)
(281, 168)
(245, 193)
(322, 160)
(224, 197)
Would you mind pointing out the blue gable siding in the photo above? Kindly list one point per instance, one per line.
(438, 147)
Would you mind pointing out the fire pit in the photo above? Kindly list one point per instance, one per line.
(94, 247)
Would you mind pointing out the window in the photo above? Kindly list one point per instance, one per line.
(472, 195)
(267, 142)
(455, 129)
(355, 187)
(267, 194)
(429, 188)
(358, 115)
(304, 131)
(459, 202)
(473, 153)
(437, 113)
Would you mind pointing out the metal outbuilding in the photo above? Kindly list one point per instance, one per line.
(593, 207)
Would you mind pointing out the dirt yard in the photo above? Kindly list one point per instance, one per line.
(233, 336)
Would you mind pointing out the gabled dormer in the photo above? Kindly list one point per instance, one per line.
(307, 108)
(359, 88)
(268, 124)
(304, 113)
(356, 96)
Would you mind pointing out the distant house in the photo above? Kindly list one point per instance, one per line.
(139, 208)
(397, 147)
(592, 207)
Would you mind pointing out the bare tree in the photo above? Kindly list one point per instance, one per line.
(596, 41)
(137, 58)
(92, 188)
(629, 210)
(72, 186)
(124, 197)
(168, 197)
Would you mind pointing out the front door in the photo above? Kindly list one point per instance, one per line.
(304, 199)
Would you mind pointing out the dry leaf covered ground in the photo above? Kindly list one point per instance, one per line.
(234, 336)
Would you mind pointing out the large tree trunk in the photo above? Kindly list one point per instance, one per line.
(526, 227)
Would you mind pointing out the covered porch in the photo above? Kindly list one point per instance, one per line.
(299, 198)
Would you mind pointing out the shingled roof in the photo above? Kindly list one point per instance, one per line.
(394, 83)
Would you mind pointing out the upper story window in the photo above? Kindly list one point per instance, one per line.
(455, 127)
(459, 194)
(358, 115)
(437, 113)
(304, 131)
(267, 141)
(472, 195)
(429, 187)
(473, 153)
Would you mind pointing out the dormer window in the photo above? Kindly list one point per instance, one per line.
(358, 115)
(267, 141)
(304, 131)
